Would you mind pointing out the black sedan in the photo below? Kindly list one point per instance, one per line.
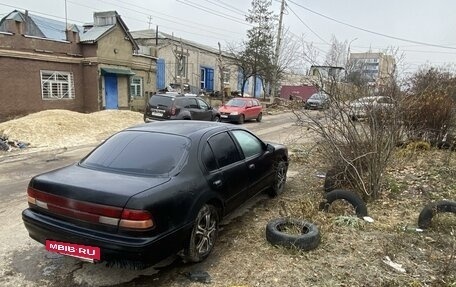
(151, 191)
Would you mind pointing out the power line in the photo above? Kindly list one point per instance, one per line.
(147, 22)
(370, 31)
(231, 6)
(159, 15)
(192, 4)
(307, 26)
(39, 13)
(226, 8)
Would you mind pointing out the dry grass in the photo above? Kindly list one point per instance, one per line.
(351, 250)
(63, 128)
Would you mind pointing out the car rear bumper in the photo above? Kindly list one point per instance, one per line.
(113, 246)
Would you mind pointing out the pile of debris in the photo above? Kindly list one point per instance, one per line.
(9, 145)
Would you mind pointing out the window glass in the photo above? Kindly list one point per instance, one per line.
(224, 149)
(208, 158)
(136, 87)
(250, 145)
(57, 85)
(161, 101)
(139, 152)
(203, 104)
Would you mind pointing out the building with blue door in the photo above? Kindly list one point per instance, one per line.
(47, 65)
(179, 60)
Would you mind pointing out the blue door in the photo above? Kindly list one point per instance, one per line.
(209, 79)
(161, 74)
(111, 95)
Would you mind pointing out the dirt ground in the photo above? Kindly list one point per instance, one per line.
(351, 251)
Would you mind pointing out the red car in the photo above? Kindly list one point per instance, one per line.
(241, 109)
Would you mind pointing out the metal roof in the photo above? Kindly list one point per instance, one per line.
(40, 26)
(95, 33)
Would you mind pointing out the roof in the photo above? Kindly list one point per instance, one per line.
(151, 34)
(40, 26)
(95, 33)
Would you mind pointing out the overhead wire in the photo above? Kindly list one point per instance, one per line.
(145, 22)
(39, 13)
(370, 31)
(169, 18)
(226, 8)
(229, 17)
(307, 26)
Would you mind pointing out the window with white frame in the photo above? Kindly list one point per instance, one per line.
(136, 86)
(57, 85)
(226, 76)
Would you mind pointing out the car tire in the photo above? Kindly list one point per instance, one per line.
(203, 235)
(332, 180)
(241, 119)
(425, 217)
(216, 119)
(259, 117)
(308, 239)
(354, 199)
(280, 178)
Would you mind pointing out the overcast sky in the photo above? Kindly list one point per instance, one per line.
(210, 21)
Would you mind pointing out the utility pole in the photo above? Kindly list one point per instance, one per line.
(222, 77)
(181, 67)
(150, 21)
(66, 17)
(277, 51)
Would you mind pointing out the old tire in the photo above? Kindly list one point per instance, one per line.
(425, 217)
(333, 179)
(259, 117)
(204, 234)
(351, 197)
(280, 178)
(307, 240)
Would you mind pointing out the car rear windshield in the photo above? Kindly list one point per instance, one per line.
(161, 101)
(140, 152)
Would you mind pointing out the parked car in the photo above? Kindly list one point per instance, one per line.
(363, 107)
(174, 106)
(241, 109)
(151, 191)
(317, 101)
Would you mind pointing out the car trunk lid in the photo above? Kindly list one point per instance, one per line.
(86, 196)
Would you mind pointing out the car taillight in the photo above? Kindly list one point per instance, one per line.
(91, 212)
(136, 219)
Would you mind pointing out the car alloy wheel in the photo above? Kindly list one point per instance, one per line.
(204, 234)
(280, 178)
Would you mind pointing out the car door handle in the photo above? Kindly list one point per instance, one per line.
(252, 166)
(218, 183)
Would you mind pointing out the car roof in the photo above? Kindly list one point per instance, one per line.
(244, 99)
(182, 127)
(173, 95)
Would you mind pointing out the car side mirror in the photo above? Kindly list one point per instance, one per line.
(270, 148)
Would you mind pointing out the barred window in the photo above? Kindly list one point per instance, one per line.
(136, 84)
(57, 85)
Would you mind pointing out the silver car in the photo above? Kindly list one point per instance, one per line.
(361, 107)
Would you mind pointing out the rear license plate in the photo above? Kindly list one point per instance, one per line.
(83, 252)
(157, 114)
(224, 116)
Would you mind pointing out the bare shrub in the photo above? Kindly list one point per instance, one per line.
(428, 108)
